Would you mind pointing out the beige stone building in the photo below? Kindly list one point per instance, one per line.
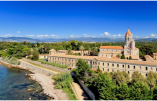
(105, 64)
(155, 56)
(129, 49)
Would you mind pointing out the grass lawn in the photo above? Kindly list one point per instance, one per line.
(70, 94)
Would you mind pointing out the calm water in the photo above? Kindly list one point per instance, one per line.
(14, 85)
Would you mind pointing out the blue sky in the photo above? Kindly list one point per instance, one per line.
(46, 19)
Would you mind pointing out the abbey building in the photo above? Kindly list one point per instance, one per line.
(129, 49)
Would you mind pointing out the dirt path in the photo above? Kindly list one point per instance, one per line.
(80, 93)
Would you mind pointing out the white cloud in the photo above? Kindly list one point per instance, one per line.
(119, 34)
(114, 35)
(85, 34)
(153, 35)
(106, 34)
(8, 35)
(29, 35)
(46, 35)
(146, 37)
(18, 32)
(72, 36)
(93, 36)
(137, 37)
(54, 35)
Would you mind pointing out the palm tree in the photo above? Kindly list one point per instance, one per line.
(81, 48)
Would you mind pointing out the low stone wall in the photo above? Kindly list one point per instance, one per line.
(48, 66)
(89, 92)
(36, 69)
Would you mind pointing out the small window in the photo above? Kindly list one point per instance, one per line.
(128, 66)
(112, 70)
(156, 69)
(151, 68)
(112, 65)
(123, 66)
(108, 70)
(146, 74)
(140, 67)
(117, 65)
(106, 55)
(108, 64)
(128, 72)
(103, 69)
(93, 62)
(134, 67)
(146, 68)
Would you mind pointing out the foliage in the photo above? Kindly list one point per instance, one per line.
(83, 70)
(35, 55)
(118, 56)
(52, 63)
(62, 80)
(11, 60)
(123, 56)
(130, 58)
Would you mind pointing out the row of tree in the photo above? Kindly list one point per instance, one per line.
(22, 49)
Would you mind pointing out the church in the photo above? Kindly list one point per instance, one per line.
(128, 50)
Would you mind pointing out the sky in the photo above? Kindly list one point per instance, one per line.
(64, 19)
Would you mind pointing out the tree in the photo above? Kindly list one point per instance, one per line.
(81, 48)
(151, 79)
(118, 56)
(35, 55)
(123, 56)
(130, 58)
(137, 77)
(82, 69)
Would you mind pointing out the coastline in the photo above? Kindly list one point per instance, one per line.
(46, 83)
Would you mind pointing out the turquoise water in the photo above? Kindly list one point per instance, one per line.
(14, 85)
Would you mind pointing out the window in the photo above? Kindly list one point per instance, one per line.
(103, 69)
(140, 67)
(146, 68)
(108, 64)
(72, 60)
(117, 65)
(108, 70)
(112, 70)
(156, 69)
(146, 74)
(106, 55)
(151, 68)
(128, 72)
(112, 65)
(128, 66)
(93, 62)
(103, 64)
(134, 67)
(123, 66)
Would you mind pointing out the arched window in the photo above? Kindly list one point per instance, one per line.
(103, 64)
(112, 65)
(108, 64)
(146, 74)
(117, 65)
(123, 66)
(134, 67)
(146, 68)
(128, 66)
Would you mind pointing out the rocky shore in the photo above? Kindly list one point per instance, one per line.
(45, 82)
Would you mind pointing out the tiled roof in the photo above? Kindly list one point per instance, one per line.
(110, 52)
(149, 58)
(128, 33)
(112, 47)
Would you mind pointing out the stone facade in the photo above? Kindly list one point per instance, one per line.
(129, 49)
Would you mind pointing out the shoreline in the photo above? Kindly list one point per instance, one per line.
(46, 83)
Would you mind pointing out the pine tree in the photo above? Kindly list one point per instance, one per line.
(123, 56)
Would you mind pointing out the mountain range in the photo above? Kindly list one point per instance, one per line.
(84, 39)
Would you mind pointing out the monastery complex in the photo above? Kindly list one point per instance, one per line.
(105, 59)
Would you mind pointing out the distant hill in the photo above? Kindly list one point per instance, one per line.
(84, 39)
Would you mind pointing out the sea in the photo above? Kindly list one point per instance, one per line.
(14, 85)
